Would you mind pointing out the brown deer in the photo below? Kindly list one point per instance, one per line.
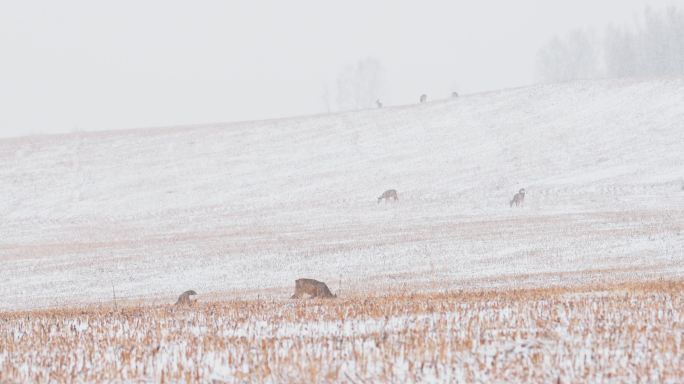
(311, 287)
(388, 194)
(518, 198)
(184, 298)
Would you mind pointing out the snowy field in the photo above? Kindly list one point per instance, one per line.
(241, 210)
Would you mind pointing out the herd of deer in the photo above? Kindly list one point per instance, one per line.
(318, 289)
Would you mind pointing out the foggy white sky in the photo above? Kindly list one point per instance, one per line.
(92, 65)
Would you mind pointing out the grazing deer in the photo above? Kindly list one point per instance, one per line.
(423, 98)
(518, 198)
(388, 194)
(378, 103)
(311, 287)
(184, 298)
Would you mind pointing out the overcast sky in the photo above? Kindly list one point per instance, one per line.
(91, 65)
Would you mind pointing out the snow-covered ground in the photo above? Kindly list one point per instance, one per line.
(243, 209)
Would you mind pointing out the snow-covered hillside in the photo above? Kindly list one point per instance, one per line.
(245, 208)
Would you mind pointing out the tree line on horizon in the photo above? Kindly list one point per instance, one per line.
(653, 45)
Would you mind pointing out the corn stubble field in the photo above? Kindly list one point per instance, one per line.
(619, 333)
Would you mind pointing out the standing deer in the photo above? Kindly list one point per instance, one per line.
(378, 103)
(423, 98)
(454, 94)
(311, 287)
(518, 198)
(184, 298)
(388, 194)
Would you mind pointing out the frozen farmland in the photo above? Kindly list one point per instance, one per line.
(583, 281)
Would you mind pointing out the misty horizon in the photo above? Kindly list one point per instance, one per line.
(76, 66)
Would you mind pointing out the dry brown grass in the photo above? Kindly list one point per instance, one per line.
(627, 332)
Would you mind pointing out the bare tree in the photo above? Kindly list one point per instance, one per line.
(662, 42)
(359, 85)
(620, 52)
(575, 56)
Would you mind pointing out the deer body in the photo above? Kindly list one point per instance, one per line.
(388, 194)
(184, 298)
(311, 287)
(518, 198)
